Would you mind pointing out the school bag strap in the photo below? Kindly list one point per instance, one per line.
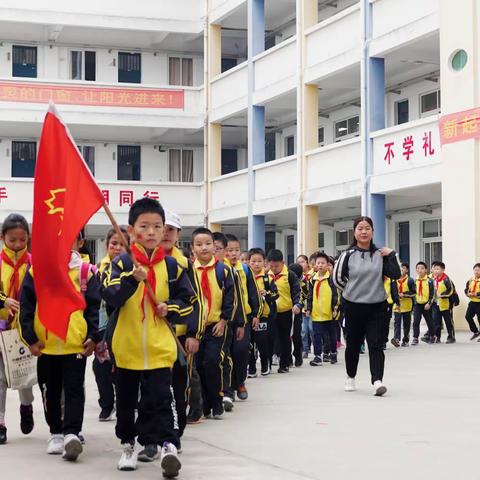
(220, 274)
(247, 270)
(85, 269)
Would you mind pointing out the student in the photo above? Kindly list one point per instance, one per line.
(102, 364)
(403, 309)
(425, 291)
(360, 273)
(307, 328)
(188, 333)
(263, 332)
(297, 319)
(392, 299)
(143, 346)
(250, 307)
(14, 264)
(61, 363)
(288, 304)
(220, 242)
(218, 290)
(472, 291)
(322, 306)
(441, 308)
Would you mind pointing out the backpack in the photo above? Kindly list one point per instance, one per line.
(454, 298)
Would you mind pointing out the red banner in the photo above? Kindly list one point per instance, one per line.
(97, 96)
(456, 127)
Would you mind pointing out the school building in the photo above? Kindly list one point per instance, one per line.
(277, 120)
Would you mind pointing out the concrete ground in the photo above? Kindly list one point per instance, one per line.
(303, 425)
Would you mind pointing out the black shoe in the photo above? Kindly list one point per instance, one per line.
(316, 362)
(106, 414)
(298, 362)
(26, 419)
(3, 434)
(333, 358)
(436, 340)
(326, 357)
(149, 453)
(405, 343)
(194, 417)
(475, 335)
(450, 340)
(217, 412)
(283, 370)
(427, 339)
(395, 342)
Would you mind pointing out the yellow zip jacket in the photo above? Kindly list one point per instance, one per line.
(443, 288)
(83, 323)
(288, 296)
(406, 285)
(473, 286)
(323, 298)
(138, 339)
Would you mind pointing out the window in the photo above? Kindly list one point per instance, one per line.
(83, 65)
(180, 71)
(430, 103)
(290, 249)
(289, 145)
(229, 161)
(401, 112)
(321, 240)
(343, 239)
(228, 63)
(432, 240)
(321, 136)
(88, 152)
(269, 241)
(270, 147)
(24, 155)
(128, 162)
(24, 61)
(347, 128)
(129, 67)
(180, 165)
(403, 241)
(432, 228)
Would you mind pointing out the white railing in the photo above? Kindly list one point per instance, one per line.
(276, 178)
(229, 190)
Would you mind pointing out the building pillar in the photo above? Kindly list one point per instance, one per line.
(307, 132)
(256, 120)
(460, 161)
(372, 119)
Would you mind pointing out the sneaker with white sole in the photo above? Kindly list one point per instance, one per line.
(128, 460)
(380, 388)
(169, 460)
(55, 445)
(228, 404)
(149, 453)
(265, 373)
(350, 384)
(72, 447)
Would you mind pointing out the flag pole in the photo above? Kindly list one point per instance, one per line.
(119, 232)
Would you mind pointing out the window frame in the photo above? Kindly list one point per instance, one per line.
(181, 150)
(124, 52)
(321, 144)
(396, 110)
(429, 113)
(70, 64)
(348, 135)
(287, 138)
(181, 58)
(81, 147)
(12, 159)
(15, 74)
(343, 246)
(139, 163)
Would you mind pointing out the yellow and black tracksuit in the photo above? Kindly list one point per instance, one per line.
(441, 307)
(218, 289)
(288, 287)
(184, 373)
(264, 336)
(249, 306)
(425, 292)
(392, 299)
(143, 347)
(473, 288)
(61, 367)
(323, 303)
(403, 309)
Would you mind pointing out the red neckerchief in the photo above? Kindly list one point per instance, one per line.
(14, 287)
(439, 279)
(420, 286)
(142, 259)
(319, 283)
(400, 285)
(277, 276)
(205, 284)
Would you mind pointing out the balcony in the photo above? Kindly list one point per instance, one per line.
(275, 71)
(406, 156)
(334, 44)
(219, 9)
(276, 185)
(229, 196)
(229, 92)
(396, 23)
(103, 104)
(334, 172)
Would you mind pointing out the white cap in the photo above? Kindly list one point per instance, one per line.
(172, 219)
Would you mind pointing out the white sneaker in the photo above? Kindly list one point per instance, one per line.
(72, 447)
(169, 460)
(350, 385)
(380, 388)
(55, 445)
(275, 360)
(128, 460)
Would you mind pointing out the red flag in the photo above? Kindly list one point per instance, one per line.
(65, 197)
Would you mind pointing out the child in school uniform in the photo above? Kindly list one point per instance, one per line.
(441, 308)
(425, 292)
(263, 331)
(14, 264)
(322, 306)
(403, 310)
(61, 363)
(472, 291)
(143, 346)
(218, 293)
(307, 328)
(392, 299)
